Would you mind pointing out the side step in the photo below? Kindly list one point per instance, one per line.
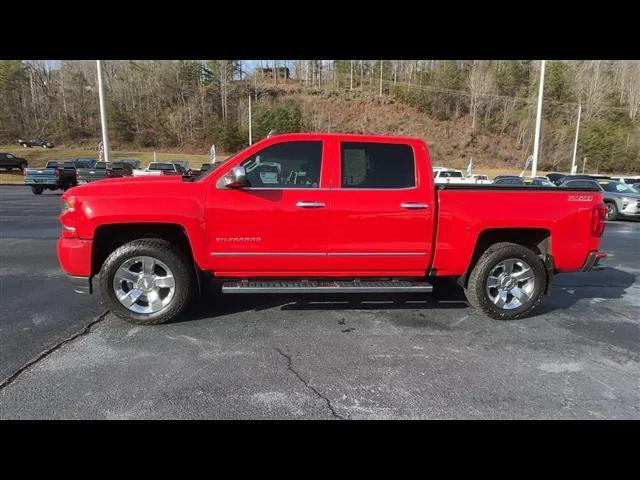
(326, 286)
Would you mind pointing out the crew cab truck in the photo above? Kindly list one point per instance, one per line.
(56, 175)
(104, 170)
(340, 213)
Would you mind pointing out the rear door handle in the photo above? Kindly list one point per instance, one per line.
(310, 204)
(414, 206)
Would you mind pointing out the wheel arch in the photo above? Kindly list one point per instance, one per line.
(536, 239)
(108, 237)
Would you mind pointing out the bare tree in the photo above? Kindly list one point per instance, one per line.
(481, 84)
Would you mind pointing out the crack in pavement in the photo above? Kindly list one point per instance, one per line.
(306, 384)
(8, 381)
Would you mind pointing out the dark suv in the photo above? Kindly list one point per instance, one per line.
(9, 161)
(35, 142)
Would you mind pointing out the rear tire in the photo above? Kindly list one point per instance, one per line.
(508, 282)
(612, 211)
(168, 261)
(37, 189)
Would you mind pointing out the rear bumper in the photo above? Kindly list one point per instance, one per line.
(592, 261)
(43, 183)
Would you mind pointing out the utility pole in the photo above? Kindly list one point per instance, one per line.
(380, 77)
(584, 164)
(575, 144)
(250, 119)
(536, 143)
(103, 113)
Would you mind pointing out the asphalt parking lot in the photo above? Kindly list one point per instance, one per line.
(322, 357)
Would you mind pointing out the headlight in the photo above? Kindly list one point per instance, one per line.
(68, 204)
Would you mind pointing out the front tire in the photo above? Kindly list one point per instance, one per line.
(147, 282)
(508, 282)
(612, 211)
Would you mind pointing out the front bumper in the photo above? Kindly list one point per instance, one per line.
(591, 264)
(82, 285)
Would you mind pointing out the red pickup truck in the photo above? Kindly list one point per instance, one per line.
(323, 213)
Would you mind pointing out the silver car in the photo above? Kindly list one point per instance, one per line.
(622, 200)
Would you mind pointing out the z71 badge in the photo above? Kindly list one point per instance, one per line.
(580, 198)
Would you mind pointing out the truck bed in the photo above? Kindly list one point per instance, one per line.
(465, 212)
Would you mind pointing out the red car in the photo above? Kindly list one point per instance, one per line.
(323, 213)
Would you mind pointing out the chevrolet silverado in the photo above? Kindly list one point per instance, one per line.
(339, 213)
(56, 175)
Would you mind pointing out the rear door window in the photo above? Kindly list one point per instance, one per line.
(377, 165)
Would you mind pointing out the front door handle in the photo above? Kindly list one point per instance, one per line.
(310, 204)
(414, 206)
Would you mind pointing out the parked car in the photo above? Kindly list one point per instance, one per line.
(632, 181)
(184, 164)
(135, 164)
(447, 175)
(9, 161)
(160, 168)
(585, 177)
(479, 178)
(555, 177)
(104, 170)
(621, 200)
(367, 219)
(507, 180)
(525, 182)
(56, 175)
(36, 142)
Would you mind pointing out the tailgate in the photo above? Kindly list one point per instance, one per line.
(38, 176)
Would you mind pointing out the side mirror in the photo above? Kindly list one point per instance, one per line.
(236, 178)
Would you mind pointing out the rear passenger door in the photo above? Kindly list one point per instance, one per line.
(381, 217)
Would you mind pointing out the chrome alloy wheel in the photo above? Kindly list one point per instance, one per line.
(510, 283)
(144, 284)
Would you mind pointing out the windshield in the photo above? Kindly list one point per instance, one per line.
(617, 187)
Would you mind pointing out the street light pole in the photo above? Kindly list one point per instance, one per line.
(575, 144)
(103, 113)
(250, 119)
(536, 143)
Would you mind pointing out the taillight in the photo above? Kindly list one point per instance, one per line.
(57, 172)
(109, 173)
(598, 215)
